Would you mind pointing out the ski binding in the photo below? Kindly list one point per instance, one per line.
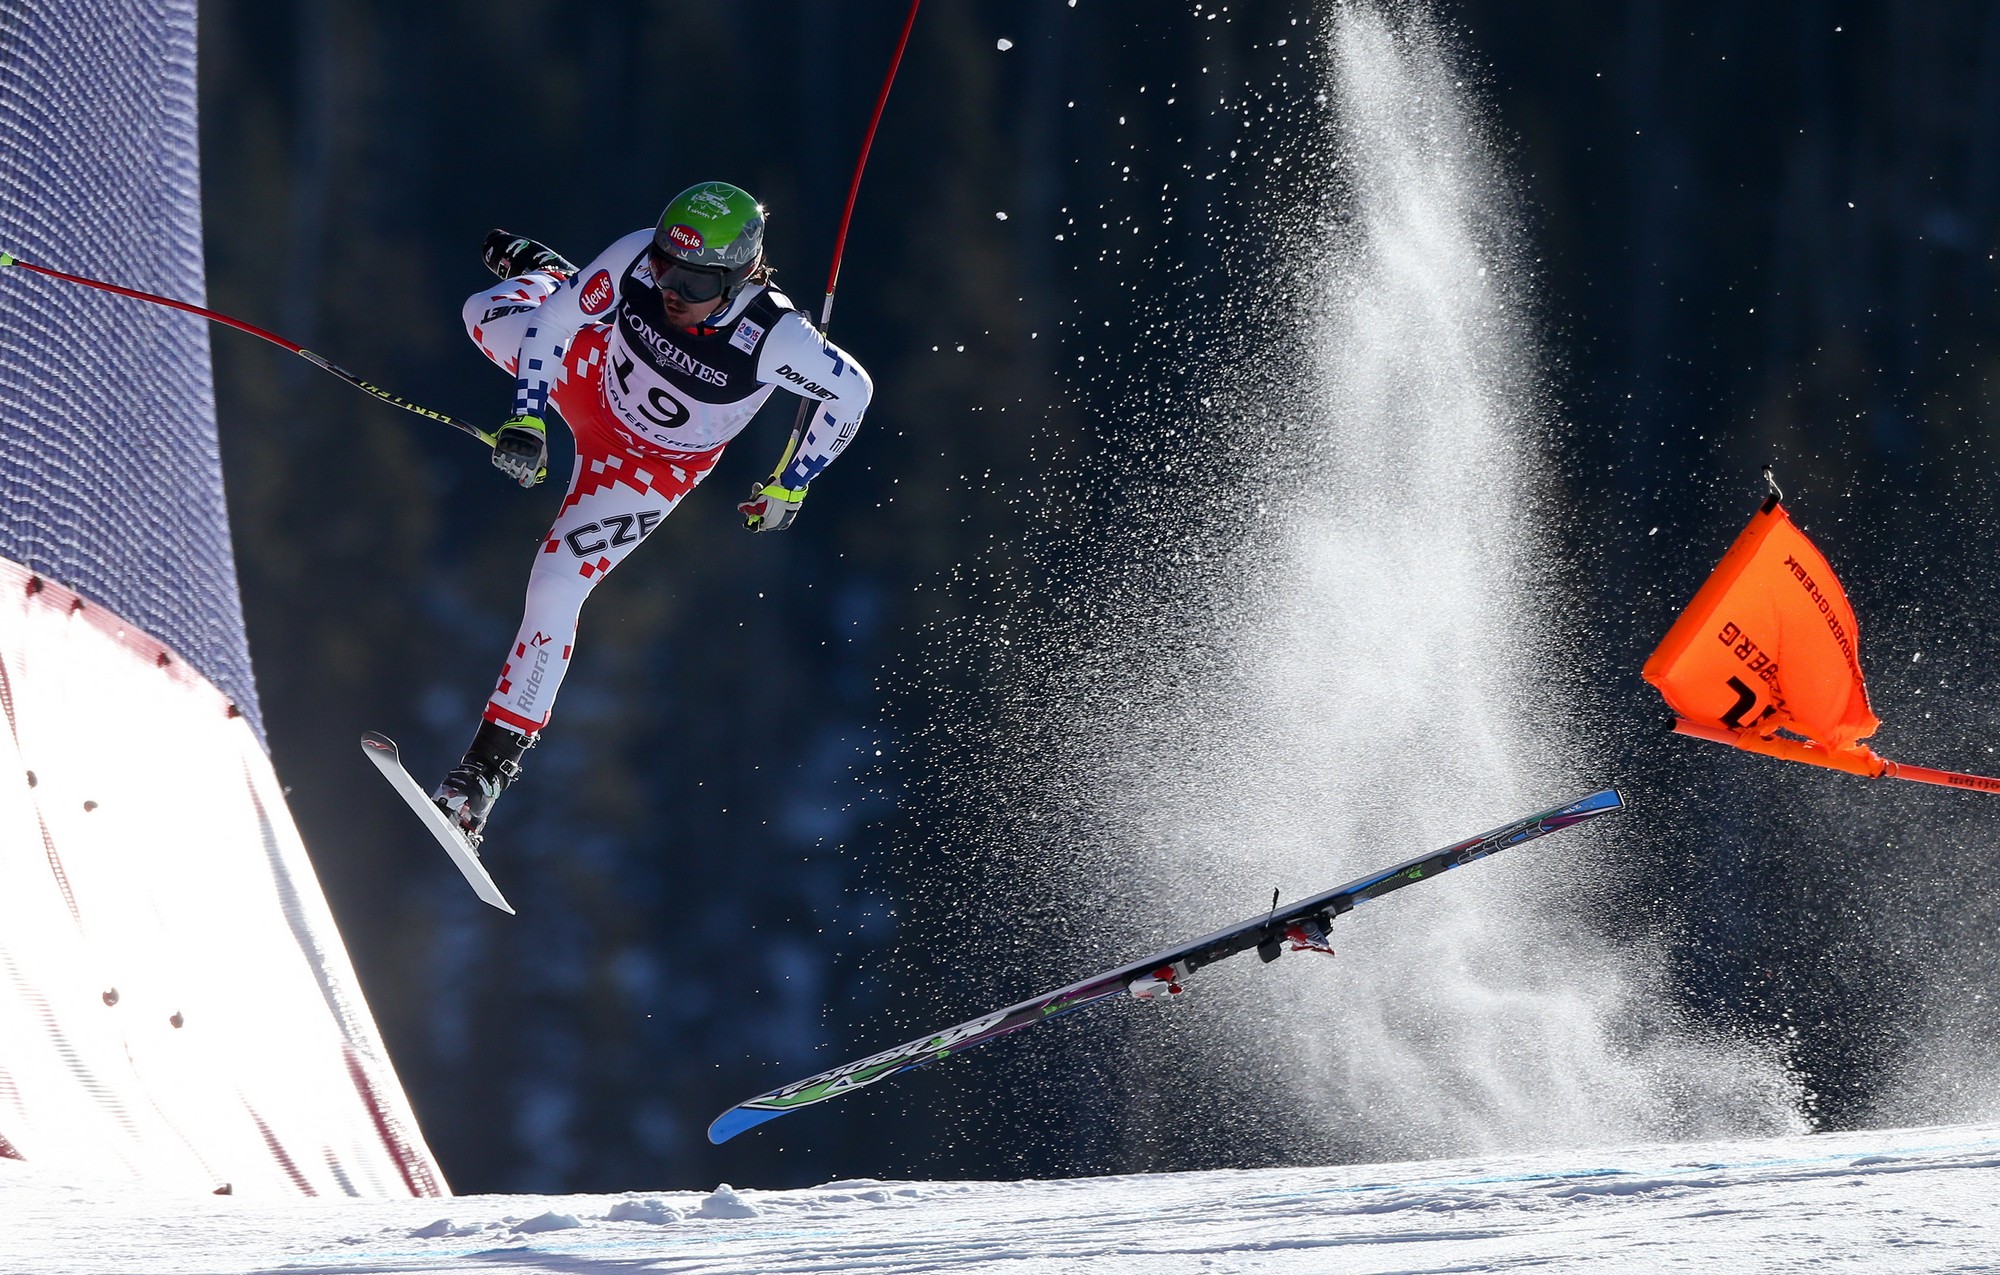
(381, 750)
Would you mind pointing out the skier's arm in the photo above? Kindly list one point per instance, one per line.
(588, 296)
(798, 358)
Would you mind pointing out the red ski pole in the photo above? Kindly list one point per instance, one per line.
(8, 259)
(846, 218)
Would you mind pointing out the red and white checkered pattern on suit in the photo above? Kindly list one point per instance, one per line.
(622, 488)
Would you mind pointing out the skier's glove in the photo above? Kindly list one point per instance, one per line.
(521, 450)
(771, 507)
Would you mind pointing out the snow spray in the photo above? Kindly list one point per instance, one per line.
(1321, 627)
(1396, 679)
(1378, 667)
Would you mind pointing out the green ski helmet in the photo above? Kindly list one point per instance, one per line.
(709, 240)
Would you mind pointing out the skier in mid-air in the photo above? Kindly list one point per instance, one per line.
(656, 354)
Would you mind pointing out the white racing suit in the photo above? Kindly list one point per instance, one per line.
(651, 406)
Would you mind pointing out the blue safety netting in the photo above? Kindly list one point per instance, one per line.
(110, 474)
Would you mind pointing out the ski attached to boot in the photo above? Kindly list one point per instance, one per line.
(382, 751)
(1301, 925)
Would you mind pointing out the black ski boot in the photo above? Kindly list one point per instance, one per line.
(510, 255)
(467, 794)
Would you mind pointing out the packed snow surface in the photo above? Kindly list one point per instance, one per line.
(1902, 1200)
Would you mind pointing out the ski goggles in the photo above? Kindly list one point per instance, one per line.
(692, 284)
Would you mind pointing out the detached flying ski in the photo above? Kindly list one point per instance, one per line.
(382, 751)
(1301, 925)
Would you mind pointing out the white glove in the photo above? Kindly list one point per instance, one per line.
(521, 450)
(771, 507)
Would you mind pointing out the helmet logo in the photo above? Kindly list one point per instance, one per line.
(686, 238)
(709, 202)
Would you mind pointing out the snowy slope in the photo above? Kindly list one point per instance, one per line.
(1901, 1200)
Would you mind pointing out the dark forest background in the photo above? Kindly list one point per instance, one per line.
(1764, 234)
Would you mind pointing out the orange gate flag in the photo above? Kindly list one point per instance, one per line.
(1768, 658)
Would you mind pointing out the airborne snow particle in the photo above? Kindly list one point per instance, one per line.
(1005, 44)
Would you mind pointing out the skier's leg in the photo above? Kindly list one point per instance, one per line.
(618, 494)
(614, 502)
